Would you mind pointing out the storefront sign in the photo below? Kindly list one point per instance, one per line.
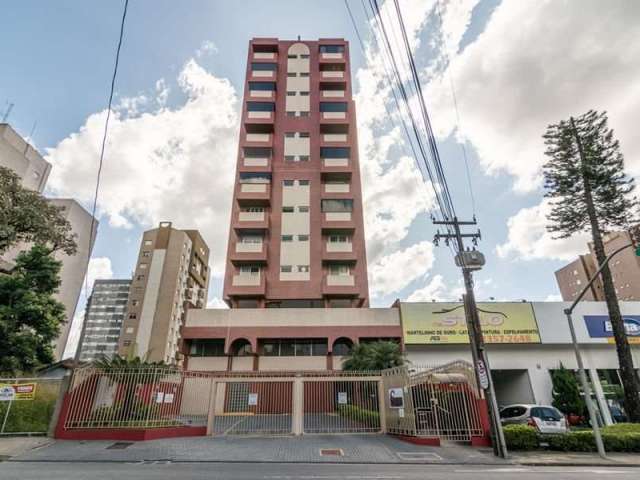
(17, 391)
(445, 323)
(599, 326)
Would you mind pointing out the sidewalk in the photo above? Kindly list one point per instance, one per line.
(14, 446)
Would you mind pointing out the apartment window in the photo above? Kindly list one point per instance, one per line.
(292, 56)
(304, 94)
(339, 239)
(304, 74)
(262, 86)
(287, 183)
(264, 67)
(142, 266)
(287, 238)
(291, 94)
(333, 106)
(303, 268)
(304, 114)
(132, 316)
(337, 205)
(285, 268)
(304, 158)
(251, 177)
(126, 343)
(292, 74)
(251, 239)
(129, 330)
(261, 106)
(303, 238)
(289, 158)
(146, 253)
(303, 208)
(148, 242)
(207, 348)
(290, 135)
(303, 183)
(140, 277)
(334, 152)
(291, 114)
(134, 303)
(287, 209)
(339, 270)
(294, 347)
(304, 55)
(331, 48)
(303, 134)
(249, 269)
(252, 209)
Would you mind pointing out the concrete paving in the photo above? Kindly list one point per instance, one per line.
(369, 449)
(12, 446)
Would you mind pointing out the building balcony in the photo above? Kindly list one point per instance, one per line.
(265, 55)
(255, 164)
(247, 285)
(337, 221)
(258, 139)
(259, 193)
(335, 165)
(339, 252)
(339, 285)
(258, 75)
(249, 253)
(336, 188)
(332, 93)
(334, 138)
(259, 117)
(332, 74)
(331, 56)
(332, 116)
(262, 94)
(251, 221)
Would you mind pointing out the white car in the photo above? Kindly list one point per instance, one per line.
(544, 418)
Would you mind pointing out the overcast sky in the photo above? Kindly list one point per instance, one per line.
(516, 66)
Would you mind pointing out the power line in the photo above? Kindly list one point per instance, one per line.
(104, 141)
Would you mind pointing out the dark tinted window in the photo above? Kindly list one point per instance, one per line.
(333, 106)
(334, 152)
(331, 48)
(263, 66)
(261, 106)
(546, 413)
(266, 86)
(337, 205)
(511, 412)
(207, 348)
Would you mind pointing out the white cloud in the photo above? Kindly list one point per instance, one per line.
(528, 238)
(535, 64)
(99, 268)
(207, 47)
(162, 92)
(395, 271)
(169, 164)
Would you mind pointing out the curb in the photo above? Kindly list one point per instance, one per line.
(576, 464)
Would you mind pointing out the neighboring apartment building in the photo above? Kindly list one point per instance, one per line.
(297, 230)
(171, 276)
(103, 317)
(17, 154)
(625, 269)
(22, 158)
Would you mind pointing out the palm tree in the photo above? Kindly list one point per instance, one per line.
(374, 356)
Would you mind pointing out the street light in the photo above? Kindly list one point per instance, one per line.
(581, 373)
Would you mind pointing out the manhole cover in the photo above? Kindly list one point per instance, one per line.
(327, 452)
(119, 445)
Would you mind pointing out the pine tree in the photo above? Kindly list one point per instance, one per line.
(589, 191)
(566, 395)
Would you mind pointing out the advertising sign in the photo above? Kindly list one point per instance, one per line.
(445, 323)
(18, 391)
(599, 326)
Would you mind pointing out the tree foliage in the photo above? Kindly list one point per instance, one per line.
(27, 217)
(374, 356)
(30, 317)
(565, 176)
(566, 395)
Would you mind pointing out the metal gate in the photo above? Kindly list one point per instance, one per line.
(433, 401)
(258, 406)
(341, 405)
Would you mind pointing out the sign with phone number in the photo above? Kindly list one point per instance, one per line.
(17, 391)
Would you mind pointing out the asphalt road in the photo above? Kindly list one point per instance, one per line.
(278, 471)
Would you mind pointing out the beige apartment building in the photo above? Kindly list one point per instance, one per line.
(625, 269)
(171, 276)
(17, 154)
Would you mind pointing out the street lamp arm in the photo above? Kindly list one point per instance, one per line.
(569, 310)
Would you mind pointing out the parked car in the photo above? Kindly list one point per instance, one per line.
(544, 418)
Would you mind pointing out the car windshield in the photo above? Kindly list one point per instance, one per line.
(546, 413)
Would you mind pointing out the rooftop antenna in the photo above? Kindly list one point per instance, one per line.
(7, 112)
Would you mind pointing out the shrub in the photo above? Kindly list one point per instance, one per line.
(520, 437)
(358, 414)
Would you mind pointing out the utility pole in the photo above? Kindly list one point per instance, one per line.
(468, 261)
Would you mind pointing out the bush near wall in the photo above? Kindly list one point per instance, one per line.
(623, 437)
(359, 414)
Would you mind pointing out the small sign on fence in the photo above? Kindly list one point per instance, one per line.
(396, 398)
(168, 398)
(19, 391)
(253, 399)
(342, 398)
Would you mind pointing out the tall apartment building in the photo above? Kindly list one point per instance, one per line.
(171, 276)
(103, 318)
(297, 230)
(17, 154)
(625, 270)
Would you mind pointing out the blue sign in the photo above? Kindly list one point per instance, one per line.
(599, 326)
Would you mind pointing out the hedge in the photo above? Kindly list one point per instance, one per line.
(359, 414)
(623, 437)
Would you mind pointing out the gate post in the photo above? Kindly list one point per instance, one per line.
(65, 384)
(382, 407)
(297, 426)
(213, 394)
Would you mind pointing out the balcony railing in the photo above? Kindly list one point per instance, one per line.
(258, 137)
(255, 161)
(251, 216)
(336, 188)
(335, 162)
(332, 74)
(246, 280)
(333, 93)
(264, 55)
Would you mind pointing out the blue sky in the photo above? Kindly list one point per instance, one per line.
(180, 84)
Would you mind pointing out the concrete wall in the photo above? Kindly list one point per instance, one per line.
(22, 158)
